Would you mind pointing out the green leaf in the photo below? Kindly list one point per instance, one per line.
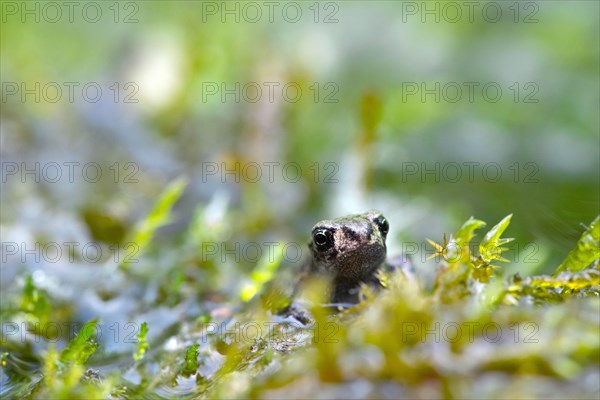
(143, 345)
(191, 360)
(456, 250)
(557, 288)
(490, 247)
(585, 252)
(158, 216)
(34, 302)
(467, 230)
(263, 273)
(82, 346)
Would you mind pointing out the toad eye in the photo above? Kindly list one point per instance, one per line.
(382, 224)
(323, 239)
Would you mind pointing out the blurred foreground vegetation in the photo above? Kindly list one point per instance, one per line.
(468, 333)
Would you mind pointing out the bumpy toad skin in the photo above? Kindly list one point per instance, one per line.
(350, 250)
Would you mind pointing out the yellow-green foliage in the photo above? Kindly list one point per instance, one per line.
(586, 252)
(263, 273)
(473, 335)
(65, 374)
(142, 345)
(34, 303)
(158, 216)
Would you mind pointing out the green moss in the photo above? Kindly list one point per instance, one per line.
(473, 334)
(142, 345)
(585, 252)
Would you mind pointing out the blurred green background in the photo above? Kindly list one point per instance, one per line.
(397, 98)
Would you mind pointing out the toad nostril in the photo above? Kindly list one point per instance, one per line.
(350, 234)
